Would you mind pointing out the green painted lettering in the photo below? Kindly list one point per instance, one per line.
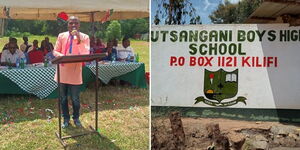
(202, 50)
(154, 37)
(213, 49)
(193, 49)
(225, 36)
(164, 33)
(222, 48)
(174, 36)
(284, 35)
(240, 52)
(271, 35)
(213, 36)
(183, 36)
(241, 36)
(232, 49)
(251, 36)
(203, 36)
(193, 36)
(294, 35)
(260, 34)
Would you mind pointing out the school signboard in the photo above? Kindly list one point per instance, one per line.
(240, 66)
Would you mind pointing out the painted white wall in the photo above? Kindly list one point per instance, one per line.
(265, 87)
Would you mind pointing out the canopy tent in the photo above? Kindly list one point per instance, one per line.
(274, 11)
(86, 10)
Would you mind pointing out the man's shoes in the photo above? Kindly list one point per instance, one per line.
(77, 123)
(65, 124)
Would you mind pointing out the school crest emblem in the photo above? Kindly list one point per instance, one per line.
(219, 86)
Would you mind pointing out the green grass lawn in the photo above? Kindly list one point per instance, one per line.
(123, 121)
(140, 47)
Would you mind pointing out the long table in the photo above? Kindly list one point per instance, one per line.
(39, 81)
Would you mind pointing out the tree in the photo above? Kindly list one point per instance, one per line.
(176, 12)
(19, 28)
(234, 13)
(113, 30)
(35, 27)
(40, 27)
(134, 26)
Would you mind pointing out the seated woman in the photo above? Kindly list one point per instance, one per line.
(48, 44)
(47, 50)
(110, 52)
(99, 46)
(44, 48)
(34, 47)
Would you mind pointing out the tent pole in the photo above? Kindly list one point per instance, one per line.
(2, 24)
(93, 23)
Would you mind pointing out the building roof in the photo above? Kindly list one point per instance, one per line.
(270, 11)
(86, 10)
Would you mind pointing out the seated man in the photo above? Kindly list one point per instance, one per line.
(25, 46)
(10, 40)
(125, 53)
(10, 56)
(110, 51)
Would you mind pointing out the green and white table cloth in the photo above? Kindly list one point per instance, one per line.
(108, 71)
(39, 81)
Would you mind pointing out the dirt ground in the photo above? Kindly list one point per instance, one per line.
(214, 133)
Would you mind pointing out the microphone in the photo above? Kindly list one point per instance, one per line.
(73, 33)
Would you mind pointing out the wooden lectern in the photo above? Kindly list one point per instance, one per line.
(73, 59)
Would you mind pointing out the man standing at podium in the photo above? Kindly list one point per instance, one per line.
(71, 42)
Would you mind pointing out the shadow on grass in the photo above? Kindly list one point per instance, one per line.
(18, 108)
(89, 141)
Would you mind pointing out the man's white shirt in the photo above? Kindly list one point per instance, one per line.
(124, 52)
(6, 55)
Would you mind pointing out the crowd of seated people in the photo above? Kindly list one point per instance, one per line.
(122, 52)
(32, 52)
(96, 45)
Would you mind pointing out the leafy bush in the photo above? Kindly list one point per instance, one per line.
(113, 31)
(16, 33)
(134, 26)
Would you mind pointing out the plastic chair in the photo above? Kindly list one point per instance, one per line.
(36, 56)
(147, 75)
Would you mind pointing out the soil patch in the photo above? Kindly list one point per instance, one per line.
(214, 133)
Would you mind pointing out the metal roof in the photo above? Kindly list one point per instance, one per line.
(86, 10)
(270, 11)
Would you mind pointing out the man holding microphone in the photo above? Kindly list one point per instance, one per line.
(71, 42)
